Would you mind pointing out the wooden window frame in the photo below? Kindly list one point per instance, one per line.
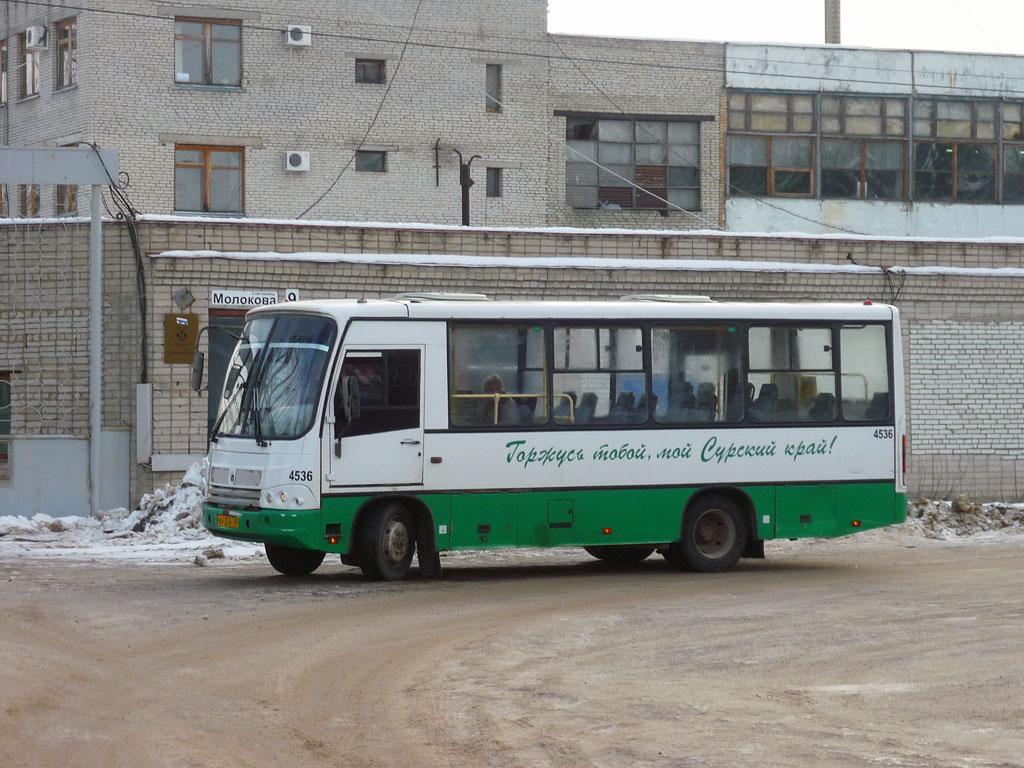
(67, 199)
(207, 40)
(863, 169)
(955, 170)
(28, 195)
(207, 168)
(67, 45)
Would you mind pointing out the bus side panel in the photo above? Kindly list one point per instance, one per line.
(805, 511)
(762, 497)
(871, 504)
(484, 520)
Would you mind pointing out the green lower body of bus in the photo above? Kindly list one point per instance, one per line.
(571, 517)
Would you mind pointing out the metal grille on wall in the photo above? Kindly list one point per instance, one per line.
(44, 331)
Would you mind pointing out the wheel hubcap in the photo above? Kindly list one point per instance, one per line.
(714, 534)
(396, 541)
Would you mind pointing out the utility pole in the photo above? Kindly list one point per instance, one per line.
(465, 181)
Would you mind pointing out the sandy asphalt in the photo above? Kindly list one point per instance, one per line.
(871, 651)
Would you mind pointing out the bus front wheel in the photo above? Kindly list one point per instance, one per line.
(714, 536)
(293, 562)
(387, 541)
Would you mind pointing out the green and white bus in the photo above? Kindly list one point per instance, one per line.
(376, 429)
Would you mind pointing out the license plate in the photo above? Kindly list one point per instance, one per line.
(227, 521)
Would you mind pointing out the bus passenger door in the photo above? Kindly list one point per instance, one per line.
(384, 445)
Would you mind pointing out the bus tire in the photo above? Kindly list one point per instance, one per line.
(293, 562)
(620, 555)
(714, 536)
(386, 543)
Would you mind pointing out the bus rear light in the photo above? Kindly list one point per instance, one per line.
(855, 523)
(606, 531)
(333, 539)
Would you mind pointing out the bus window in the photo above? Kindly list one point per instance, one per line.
(792, 373)
(605, 367)
(497, 376)
(865, 373)
(696, 374)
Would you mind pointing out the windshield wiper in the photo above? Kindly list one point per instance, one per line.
(224, 412)
(254, 403)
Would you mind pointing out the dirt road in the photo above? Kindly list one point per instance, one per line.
(870, 652)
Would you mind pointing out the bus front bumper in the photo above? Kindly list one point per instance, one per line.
(301, 530)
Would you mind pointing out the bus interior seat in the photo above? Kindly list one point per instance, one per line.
(879, 408)
(764, 406)
(640, 413)
(588, 404)
(622, 409)
(707, 401)
(823, 408)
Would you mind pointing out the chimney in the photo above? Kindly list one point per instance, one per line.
(832, 22)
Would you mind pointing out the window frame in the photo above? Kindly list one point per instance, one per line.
(30, 75)
(954, 172)
(362, 67)
(771, 169)
(366, 154)
(493, 81)
(495, 182)
(3, 71)
(28, 196)
(67, 48)
(207, 40)
(207, 175)
(863, 170)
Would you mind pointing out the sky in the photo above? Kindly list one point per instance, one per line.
(988, 26)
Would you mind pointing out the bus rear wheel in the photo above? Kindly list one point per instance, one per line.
(620, 555)
(713, 538)
(293, 562)
(386, 543)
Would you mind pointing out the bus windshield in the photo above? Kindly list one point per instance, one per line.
(273, 382)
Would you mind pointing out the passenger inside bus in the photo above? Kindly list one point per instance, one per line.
(507, 411)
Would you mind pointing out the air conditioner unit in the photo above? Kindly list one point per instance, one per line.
(35, 38)
(296, 161)
(298, 35)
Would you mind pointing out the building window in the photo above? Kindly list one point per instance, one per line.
(3, 71)
(207, 52)
(862, 169)
(771, 112)
(5, 415)
(209, 179)
(370, 70)
(493, 88)
(1013, 173)
(771, 165)
(648, 164)
(494, 182)
(29, 69)
(373, 162)
(29, 194)
(863, 116)
(953, 171)
(67, 199)
(67, 42)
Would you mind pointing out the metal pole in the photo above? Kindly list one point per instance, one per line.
(95, 349)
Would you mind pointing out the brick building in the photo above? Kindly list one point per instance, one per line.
(228, 119)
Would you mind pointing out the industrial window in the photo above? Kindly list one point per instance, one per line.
(955, 171)
(67, 42)
(1013, 173)
(29, 194)
(494, 182)
(29, 69)
(492, 87)
(371, 161)
(771, 112)
(771, 165)
(207, 52)
(863, 116)
(862, 169)
(3, 71)
(632, 163)
(370, 70)
(5, 414)
(209, 179)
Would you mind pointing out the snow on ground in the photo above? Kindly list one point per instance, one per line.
(166, 527)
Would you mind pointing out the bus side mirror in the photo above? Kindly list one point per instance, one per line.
(196, 379)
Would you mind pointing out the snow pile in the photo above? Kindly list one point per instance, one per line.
(165, 526)
(948, 520)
